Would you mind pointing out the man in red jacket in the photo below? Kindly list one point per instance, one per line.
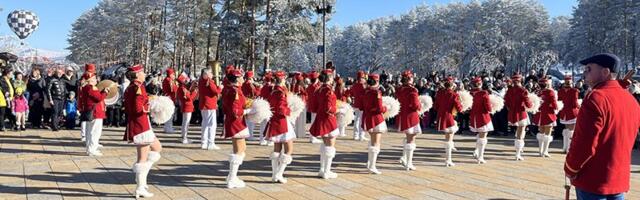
(598, 164)
(357, 90)
(170, 89)
(208, 93)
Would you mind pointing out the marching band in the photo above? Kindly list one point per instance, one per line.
(324, 95)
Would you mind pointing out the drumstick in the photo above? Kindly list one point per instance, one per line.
(629, 74)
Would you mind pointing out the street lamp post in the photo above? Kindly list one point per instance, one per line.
(323, 10)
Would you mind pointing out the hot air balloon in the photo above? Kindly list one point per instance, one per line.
(23, 23)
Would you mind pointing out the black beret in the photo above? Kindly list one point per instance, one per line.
(605, 60)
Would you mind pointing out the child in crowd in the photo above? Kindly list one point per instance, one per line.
(20, 107)
(70, 111)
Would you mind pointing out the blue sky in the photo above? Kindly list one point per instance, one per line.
(57, 16)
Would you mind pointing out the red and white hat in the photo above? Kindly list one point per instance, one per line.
(183, 78)
(89, 67)
(249, 74)
(375, 77)
(313, 75)
(407, 74)
(476, 80)
(136, 68)
(281, 74)
(170, 71)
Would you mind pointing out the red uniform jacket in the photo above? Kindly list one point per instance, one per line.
(208, 93)
(409, 106)
(136, 106)
(233, 107)
(300, 91)
(479, 115)
(169, 88)
(326, 107)
(94, 99)
(311, 100)
(265, 91)
(341, 93)
(249, 90)
(446, 102)
(372, 109)
(547, 114)
(278, 123)
(569, 97)
(516, 101)
(606, 129)
(357, 91)
(186, 98)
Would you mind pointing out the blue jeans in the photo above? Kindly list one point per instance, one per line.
(583, 195)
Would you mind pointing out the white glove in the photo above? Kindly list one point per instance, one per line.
(246, 111)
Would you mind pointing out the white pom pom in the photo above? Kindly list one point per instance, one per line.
(579, 102)
(425, 103)
(496, 102)
(536, 101)
(345, 114)
(296, 105)
(260, 111)
(560, 106)
(392, 105)
(466, 100)
(161, 109)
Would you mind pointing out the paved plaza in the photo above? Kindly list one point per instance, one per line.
(39, 164)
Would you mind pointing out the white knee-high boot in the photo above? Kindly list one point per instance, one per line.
(547, 141)
(540, 138)
(409, 148)
(329, 154)
(481, 144)
(373, 158)
(283, 161)
(322, 160)
(274, 165)
(403, 158)
(448, 148)
(519, 144)
(142, 170)
(153, 157)
(233, 181)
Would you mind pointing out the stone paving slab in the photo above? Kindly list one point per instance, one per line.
(40, 164)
